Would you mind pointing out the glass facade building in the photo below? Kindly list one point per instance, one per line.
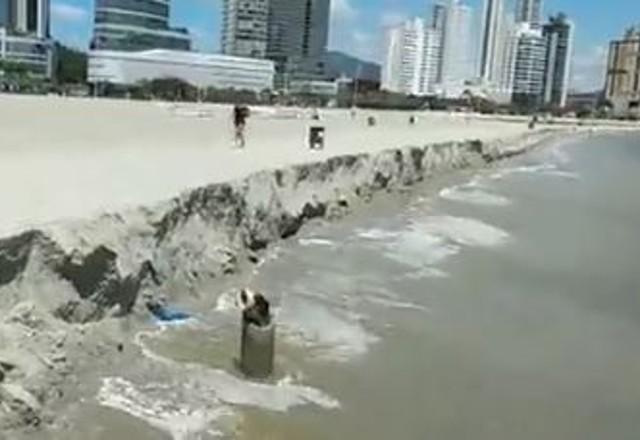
(528, 83)
(25, 36)
(136, 25)
(559, 39)
(298, 33)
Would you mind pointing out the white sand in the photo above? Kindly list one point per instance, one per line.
(74, 158)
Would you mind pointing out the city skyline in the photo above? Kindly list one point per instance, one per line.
(356, 29)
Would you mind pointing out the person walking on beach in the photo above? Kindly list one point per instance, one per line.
(240, 115)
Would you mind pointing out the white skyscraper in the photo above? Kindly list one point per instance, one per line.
(410, 62)
(432, 60)
(492, 34)
(498, 50)
(457, 47)
(503, 73)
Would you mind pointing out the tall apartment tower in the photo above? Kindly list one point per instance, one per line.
(439, 24)
(529, 73)
(622, 86)
(135, 26)
(27, 17)
(411, 58)
(298, 33)
(25, 34)
(245, 27)
(529, 11)
(493, 33)
(559, 39)
(505, 67)
(457, 51)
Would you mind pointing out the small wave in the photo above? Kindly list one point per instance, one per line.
(527, 169)
(333, 334)
(375, 234)
(569, 175)
(559, 154)
(426, 272)
(228, 302)
(315, 242)
(473, 195)
(551, 170)
(393, 304)
(429, 242)
(224, 387)
(157, 405)
(463, 231)
(186, 399)
(419, 248)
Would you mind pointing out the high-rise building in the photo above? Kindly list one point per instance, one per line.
(528, 82)
(5, 13)
(438, 24)
(529, 11)
(498, 50)
(31, 16)
(431, 61)
(298, 32)
(457, 51)
(504, 70)
(25, 35)
(403, 65)
(27, 17)
(559, 39)
(622, 88)
(135, 26)
(491, 40)
(411, 58)
(244, 28)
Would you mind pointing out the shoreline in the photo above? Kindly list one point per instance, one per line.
(57, 281)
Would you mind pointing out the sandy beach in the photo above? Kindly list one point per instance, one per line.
(66, 158)
(168, 209)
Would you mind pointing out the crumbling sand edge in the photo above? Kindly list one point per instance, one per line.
(102, 266)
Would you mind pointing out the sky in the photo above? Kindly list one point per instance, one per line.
(357, 26)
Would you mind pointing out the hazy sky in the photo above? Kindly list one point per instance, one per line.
(357, 26)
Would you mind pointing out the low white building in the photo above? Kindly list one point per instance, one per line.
(35, 53)
(199, 69)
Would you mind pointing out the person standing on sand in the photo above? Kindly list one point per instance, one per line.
(240, 115)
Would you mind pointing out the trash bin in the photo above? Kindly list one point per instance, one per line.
(316, 138)
(257, 349)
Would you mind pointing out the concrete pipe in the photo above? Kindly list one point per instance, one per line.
(257, 349)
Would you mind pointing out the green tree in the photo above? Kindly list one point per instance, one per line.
(71, 65)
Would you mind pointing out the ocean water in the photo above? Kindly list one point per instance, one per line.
(503, 304)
